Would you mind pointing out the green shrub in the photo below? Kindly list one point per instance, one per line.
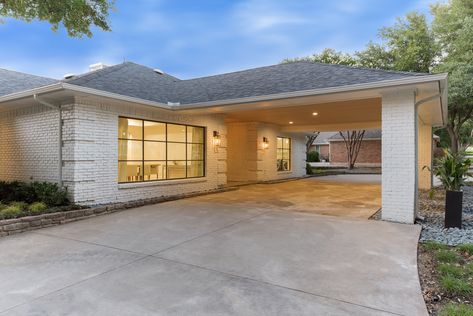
(16, 191)
(308, 169)
(37, 207)
(446, 256)
(455, 286)
(50, 193)
(452, 309)
(21, 205)
(467, 248)
(313, 156)
(469, 268)
(3, 206)
(10, 212)
(433, 245)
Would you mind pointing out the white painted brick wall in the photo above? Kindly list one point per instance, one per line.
(90, 140)
(399, 176)
(28, 144)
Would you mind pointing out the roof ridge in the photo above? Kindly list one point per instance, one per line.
(367, 68)
(88, 73)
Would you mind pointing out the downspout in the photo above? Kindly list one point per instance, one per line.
(59, 109)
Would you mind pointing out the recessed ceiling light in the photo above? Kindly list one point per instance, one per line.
(315, 113)
(291, 122)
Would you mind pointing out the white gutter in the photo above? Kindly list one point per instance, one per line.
(55, 107)
(351, 88)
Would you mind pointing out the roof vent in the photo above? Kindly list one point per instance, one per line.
(97, 66)
(174, 103)
(158, 71)
(69, 76)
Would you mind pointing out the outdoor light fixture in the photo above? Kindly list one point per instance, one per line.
(291, 122)
(315, 113)
(265, 143)
(216, 139)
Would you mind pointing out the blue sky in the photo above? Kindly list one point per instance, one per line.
(197, 38)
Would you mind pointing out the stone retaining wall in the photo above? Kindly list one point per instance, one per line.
(22, 224)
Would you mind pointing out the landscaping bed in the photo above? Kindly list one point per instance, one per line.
(432, 214)
(446, 277)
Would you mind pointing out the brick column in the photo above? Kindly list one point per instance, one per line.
(399, 156)
(424, 151)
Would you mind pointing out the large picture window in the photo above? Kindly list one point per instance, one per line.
(283, 153)
(151, 151)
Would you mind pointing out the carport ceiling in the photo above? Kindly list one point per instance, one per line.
(334, 113)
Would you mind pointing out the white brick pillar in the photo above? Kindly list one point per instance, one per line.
(399, 156)
(424, 155)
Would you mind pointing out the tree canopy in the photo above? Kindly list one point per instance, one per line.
(77, 16)
(413, 44)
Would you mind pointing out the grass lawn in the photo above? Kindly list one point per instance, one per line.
(446, 275)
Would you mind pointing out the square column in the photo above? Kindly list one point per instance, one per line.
(425, 153)
(399, 156)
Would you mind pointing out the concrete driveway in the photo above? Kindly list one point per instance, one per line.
(206, 256)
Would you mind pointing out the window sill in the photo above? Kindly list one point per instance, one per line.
(136, 185)
(285, 172)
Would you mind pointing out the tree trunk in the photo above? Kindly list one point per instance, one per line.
(454, 139)
(353, 141)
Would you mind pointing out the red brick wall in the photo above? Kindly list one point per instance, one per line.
(370, 152)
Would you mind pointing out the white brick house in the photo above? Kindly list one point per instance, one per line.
(128, 132)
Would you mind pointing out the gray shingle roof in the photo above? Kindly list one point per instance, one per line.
(142, 82)
(12, 81)
(369, 134)
(138, 81)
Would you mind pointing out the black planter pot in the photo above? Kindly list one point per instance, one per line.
(453, 209)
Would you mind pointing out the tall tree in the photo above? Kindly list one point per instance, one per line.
(353, 141)
(77, 16)
(453, 27)
(327, 56)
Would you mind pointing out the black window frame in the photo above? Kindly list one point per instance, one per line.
(166, 142)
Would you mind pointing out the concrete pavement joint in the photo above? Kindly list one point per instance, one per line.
(275, 285)
(213, 231)
(76, 283)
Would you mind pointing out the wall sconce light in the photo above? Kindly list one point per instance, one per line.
(265, 143)
(216, 140)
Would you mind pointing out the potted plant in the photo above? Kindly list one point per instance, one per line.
(452, 170)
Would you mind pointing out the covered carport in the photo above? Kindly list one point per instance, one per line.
(405, 109)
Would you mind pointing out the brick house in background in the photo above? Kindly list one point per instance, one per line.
(331, 147)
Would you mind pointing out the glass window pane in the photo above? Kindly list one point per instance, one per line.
(176, 169)
(130, 150)
(195, 134)
(279, 153)
(279, 142)
(154, 170)
(195, 152)
(155, 151)
(130, 171)
(176, 133)
(286, 154)
(195, 169)
(155, 131)
(287, 143)
(129, 128)
(176, 151)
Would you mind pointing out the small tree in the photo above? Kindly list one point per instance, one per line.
(353, 141)
(310, 139)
